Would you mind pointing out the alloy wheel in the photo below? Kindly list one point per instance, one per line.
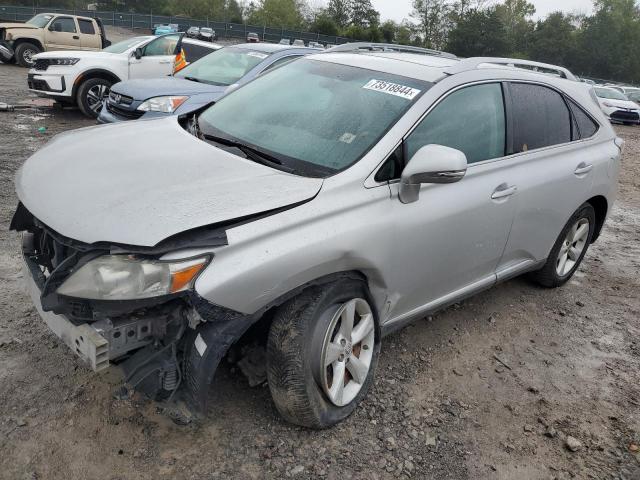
(573, 246)
(95, 97)
(27, 55)
(347, 351)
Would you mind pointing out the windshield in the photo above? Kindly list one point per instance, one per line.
(315, 116)
(635, 96)
(206, 30)
(223, 67)
(610, 94)
(125, 45)
(40, 20)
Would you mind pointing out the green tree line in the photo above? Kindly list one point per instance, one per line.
(602, 45)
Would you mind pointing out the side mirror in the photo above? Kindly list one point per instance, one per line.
(138, 53)
(431, 164)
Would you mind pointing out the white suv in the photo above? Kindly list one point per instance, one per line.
(83, 78)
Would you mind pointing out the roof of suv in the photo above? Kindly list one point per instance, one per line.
(433, 66)
(421, 67)
(268, 47)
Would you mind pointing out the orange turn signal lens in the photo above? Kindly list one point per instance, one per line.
(182, 279)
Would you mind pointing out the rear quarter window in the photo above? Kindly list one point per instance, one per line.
(541, 117)
(586, 126)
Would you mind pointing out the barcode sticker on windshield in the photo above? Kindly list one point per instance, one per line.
(392, 89)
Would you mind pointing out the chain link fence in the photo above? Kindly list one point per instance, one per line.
(137, 21)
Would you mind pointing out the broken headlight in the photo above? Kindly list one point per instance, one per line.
(124, 277)
(162, 104)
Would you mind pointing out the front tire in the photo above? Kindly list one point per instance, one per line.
(25, 52)
(91, 95)
(569, 249)
(322, 353)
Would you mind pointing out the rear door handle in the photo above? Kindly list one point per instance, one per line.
(583, 168)
(504, 191)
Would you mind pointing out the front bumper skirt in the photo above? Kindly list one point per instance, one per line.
(86, 342)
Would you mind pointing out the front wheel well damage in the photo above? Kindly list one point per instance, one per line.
(212, 340)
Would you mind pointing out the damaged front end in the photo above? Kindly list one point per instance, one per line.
(124, 305)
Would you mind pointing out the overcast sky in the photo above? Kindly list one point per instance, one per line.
(399, 9)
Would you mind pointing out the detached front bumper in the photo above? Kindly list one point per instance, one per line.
(83, 339)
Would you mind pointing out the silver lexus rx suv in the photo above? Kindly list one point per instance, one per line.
(326, 204)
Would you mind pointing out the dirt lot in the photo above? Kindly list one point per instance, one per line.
(490, 388)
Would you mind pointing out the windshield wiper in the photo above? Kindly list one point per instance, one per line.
(250, 152)
(193, 79)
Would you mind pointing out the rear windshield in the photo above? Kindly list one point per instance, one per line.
(40, 20)
(610, 94)
(125, 45)
(224, 67)
(323, 115)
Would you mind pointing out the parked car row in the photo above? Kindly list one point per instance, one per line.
(165, 245)
(201, 83)
(202, 33)
(84, 78)
(619, 104)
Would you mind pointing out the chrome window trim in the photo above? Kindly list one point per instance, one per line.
(370, 181)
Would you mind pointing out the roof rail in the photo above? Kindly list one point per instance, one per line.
(387, 47)
(487, 62)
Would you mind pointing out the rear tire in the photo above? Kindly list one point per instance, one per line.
(311, 331)
(25, 52)
(91, 94)
(569, 250)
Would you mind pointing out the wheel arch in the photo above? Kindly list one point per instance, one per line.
(601, 207)
(32, 40)
(93, 73)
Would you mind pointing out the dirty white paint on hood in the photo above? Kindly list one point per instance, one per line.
(140, 182)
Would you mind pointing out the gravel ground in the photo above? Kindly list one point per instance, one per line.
(501, 386)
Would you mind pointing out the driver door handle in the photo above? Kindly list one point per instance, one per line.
(583, 168)
(76, 37)
(503, 191)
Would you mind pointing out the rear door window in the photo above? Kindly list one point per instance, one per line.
(541, 117)
(471, 120)
(195, 52)
(86, 26)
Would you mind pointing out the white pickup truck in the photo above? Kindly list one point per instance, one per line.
(83, 78)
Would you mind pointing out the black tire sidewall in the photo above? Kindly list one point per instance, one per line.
(320, 411)
(82, 95)
(329, 413)
(19, 53)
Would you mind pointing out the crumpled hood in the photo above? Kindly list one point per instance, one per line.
(143, 89)
(17, 25)
(138, 183)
